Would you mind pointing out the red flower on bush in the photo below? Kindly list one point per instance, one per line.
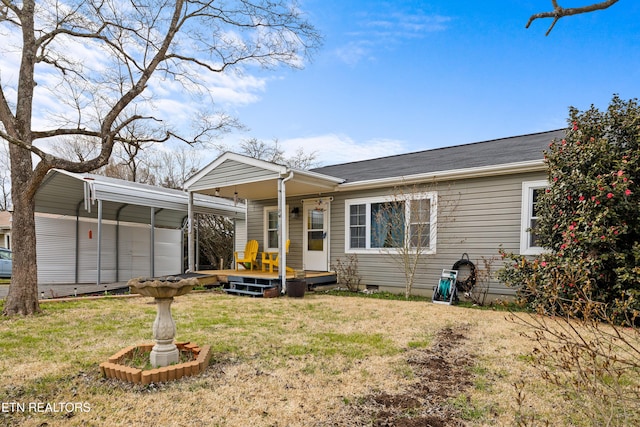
(627, 192)
(609, 195)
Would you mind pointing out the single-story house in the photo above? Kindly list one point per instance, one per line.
(5, 229)
(473, 198)
(95, 229)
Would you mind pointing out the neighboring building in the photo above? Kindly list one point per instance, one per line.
(479, 197)
(5, 229)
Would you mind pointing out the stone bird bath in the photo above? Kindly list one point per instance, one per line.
(163, 290)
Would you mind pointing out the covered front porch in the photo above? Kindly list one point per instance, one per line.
(254, 283)
(269, 188)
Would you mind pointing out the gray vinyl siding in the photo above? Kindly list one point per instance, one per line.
(232, 172)
(475, 216)
(255, 228)
(240, 234)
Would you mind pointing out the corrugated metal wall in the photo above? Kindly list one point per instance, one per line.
(56, 240)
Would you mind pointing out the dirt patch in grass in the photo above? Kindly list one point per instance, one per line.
(441, 372)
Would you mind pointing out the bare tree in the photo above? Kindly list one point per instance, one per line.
(273, 152)
(406, 224)
(173, 167)
(98, 69)
(215, 240)
(258, 149)
(560, 12)
(302, 160)
(404, 227)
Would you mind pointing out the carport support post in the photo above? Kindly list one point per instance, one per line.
(152, 248)
(99, 267)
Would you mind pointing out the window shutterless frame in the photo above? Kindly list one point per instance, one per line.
(369, 229)
(529, 216)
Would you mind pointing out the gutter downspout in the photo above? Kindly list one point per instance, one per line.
(282, 212)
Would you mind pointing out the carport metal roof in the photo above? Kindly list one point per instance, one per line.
(66, 193)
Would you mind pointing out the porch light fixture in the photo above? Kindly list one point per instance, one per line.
(217, 192)
(295, 212)
(235, 198)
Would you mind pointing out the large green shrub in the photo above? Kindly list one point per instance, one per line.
(589, 218)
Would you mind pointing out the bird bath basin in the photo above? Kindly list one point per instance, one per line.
(163, 290)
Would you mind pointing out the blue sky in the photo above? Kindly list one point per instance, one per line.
(401, 76)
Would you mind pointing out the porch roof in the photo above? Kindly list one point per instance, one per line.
(233, 175)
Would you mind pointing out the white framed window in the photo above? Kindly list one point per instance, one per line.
(270, 227)
(382, 224)
(531, 190)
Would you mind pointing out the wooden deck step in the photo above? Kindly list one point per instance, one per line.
(250, 286)
(243, 292)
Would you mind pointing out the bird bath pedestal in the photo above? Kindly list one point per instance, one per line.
(164, 352)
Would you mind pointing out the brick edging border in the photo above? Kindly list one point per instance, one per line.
(114, 368)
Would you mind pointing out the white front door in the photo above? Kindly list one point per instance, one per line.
(315, 243)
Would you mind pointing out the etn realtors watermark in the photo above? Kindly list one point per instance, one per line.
(44, 407)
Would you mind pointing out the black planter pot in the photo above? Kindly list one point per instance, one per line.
(296, 288)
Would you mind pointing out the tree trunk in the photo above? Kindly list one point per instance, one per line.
(23, 291)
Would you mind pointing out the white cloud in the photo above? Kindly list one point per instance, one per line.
(386, 29)
(336, 148)
(354, 52)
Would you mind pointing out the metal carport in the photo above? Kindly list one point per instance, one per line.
(102, 198)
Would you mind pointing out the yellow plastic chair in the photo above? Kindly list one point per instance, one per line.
(247, 257)
(272, 259)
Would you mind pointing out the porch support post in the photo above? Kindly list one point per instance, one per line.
(190, 251)
(282, 231)
(282, 253)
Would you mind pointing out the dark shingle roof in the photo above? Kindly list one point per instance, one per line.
(487, 153)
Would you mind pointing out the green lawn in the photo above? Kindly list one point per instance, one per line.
(312, 361)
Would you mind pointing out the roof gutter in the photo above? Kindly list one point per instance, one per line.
(447, 175)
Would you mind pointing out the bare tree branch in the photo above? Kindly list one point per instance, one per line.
(560, 12)
(112, 71)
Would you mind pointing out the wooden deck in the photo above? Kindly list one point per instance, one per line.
(213, 277)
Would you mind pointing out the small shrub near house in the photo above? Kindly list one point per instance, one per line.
(347, 273)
